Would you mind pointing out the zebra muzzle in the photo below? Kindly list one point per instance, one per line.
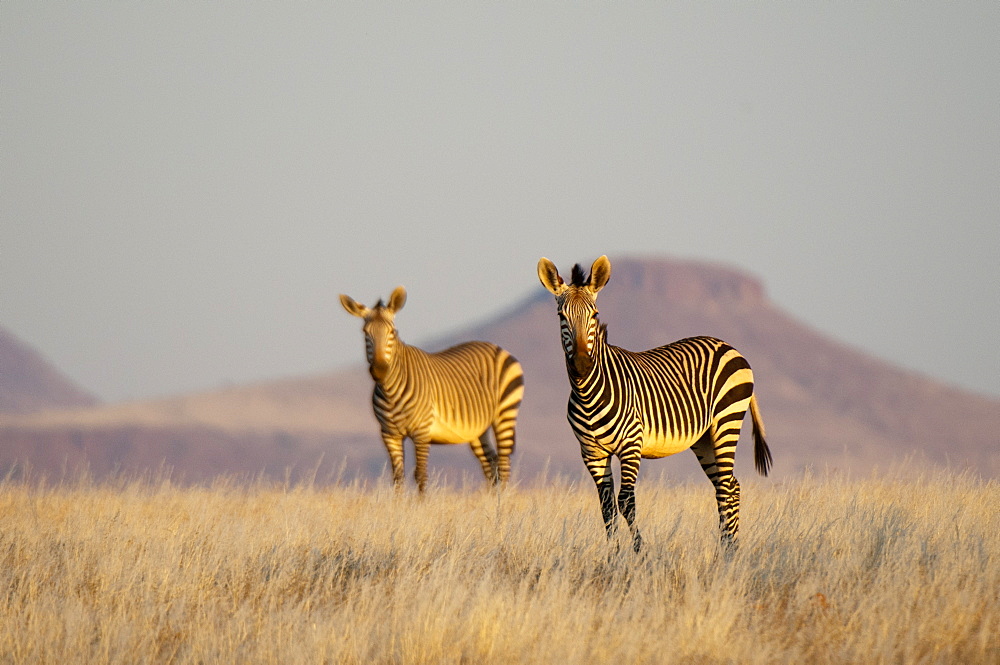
(378, 370)
(582, 364)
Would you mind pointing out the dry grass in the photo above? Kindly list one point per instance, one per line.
(830, 571)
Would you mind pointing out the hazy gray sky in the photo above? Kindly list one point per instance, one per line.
(187, 187)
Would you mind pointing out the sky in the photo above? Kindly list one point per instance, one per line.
(188, 187)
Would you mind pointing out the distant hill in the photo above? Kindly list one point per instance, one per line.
(825, 405)
(29, 383)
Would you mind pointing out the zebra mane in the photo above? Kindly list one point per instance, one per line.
(379, 303)
(579, 278)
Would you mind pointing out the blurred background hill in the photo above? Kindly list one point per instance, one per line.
(28, 382)
(825, 405)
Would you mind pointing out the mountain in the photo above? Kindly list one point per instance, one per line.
(825, 405)
(29, 383)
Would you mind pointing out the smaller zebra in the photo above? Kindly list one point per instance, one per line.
(453, 396)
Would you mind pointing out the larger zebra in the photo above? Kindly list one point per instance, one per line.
(692, 393)
(453, 396)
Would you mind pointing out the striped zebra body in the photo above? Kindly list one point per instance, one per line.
(692, 393)
(453, 396)
(632, 398)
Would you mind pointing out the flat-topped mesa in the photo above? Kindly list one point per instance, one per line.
(687, 282)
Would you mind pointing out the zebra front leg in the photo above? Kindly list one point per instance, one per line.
(421, 452)
(626, 495)
(394, 446)
(487, 458)
(600, 471)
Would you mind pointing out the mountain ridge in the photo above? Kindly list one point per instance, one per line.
(824, 403)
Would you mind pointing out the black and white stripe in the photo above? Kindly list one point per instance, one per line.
(453, 396)
(692, 393)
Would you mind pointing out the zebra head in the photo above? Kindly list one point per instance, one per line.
(381, 338)
(577, 306)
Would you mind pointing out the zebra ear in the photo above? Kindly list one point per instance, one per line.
(353, 307)
(548, 275)
(397, 299)
(600, 273)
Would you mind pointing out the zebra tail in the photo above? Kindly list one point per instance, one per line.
(761, 453)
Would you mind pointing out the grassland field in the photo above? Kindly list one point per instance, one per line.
(829, 570)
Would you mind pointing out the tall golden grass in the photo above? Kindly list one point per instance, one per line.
(830, 570)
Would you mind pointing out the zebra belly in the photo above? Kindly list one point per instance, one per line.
(445, 432)
(662, 446)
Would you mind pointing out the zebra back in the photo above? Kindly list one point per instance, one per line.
(471, 381)
(454, 395)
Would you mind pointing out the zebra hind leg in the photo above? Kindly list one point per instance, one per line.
(487, 458)
(503, 432)
(719, 469)
(727, 488)
(727, 494)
